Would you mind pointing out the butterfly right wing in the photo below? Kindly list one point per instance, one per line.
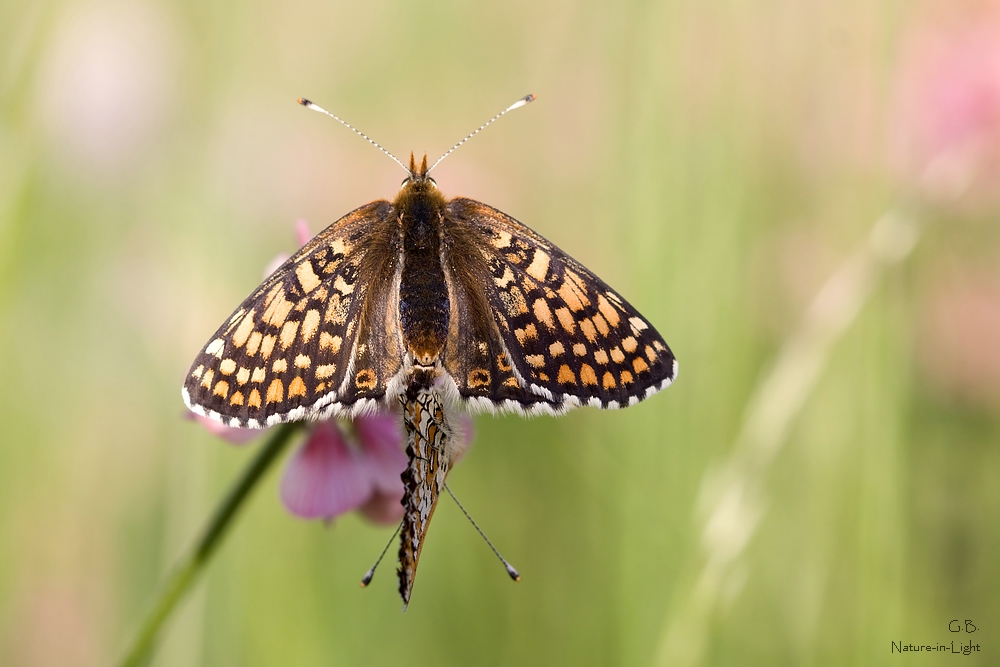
(313, 339)
(569, 339)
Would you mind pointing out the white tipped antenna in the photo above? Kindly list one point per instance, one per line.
(510, 568)
(516, 105)
(367, 579)
(315, 107)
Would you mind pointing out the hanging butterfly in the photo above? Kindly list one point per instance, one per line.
(435, 304)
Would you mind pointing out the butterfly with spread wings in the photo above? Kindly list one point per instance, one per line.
(433, 305)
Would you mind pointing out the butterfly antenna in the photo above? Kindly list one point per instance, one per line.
(315, 107)
(510, 568)
(367, 579)
(516, 105)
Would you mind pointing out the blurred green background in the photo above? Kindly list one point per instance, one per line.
(715, 162)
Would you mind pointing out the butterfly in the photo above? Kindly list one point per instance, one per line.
(432, 305)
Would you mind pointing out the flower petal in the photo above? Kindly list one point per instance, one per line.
(381, 440)
(235, 436)
(325, 478)
(384, 508)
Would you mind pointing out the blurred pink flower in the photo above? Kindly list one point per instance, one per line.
(960, 329)
(338, 469)
(947, 110)
(332, 474)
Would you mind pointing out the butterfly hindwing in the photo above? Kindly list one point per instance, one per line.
(570, 338)
(296, 347)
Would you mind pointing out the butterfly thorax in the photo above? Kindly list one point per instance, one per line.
(423, 293)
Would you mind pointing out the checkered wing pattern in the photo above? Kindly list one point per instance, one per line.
(557, 336)
(318, 337)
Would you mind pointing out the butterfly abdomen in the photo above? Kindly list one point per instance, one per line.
(423, 294)
(427, 447)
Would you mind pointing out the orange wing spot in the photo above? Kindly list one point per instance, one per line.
(506, 279)
(342, 286)
(571, 295)
(610, 312)
(640, 365)
(221, 388)
(296, 387)
(539, 266)
(302, 361)
(307, 277)
(254, 343)
(601, 357)
(320, 294)
(325, 371)
(227, 367)
(258, 374)
(587, 375)
(566, 375)
(275, 391)
(288, 334)
(502, 362)
(527, 333)
(254, 400)
(650, 354)
(601, 325)
(566, 320)
(328, 342)
(243, 375)
(479, 377)
(243, 330)
(629, 344)
(320, 387)
(544, 377)
(279, 366)
(510, 382)
(579, 349)
(277, 311)
(514, 257)
(336, 310)
(196, 373)
(626, 377)
(501, 241)
(556, 349)
(587, 327)
(638, 324)
(237, 398)
(608, 380)
(267, 346)
(536, 360)
(617, 356)
(543, 314)
(365, 379)
(310, 323)
(514, 300)
(206, 381)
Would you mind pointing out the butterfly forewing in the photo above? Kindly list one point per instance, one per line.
(570, 339)
(317, 337)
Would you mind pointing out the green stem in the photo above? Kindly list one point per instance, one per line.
(187, 571)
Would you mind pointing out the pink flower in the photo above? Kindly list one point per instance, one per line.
(332, 474)
(947, 111)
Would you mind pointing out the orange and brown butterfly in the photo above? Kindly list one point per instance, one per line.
(436, 305)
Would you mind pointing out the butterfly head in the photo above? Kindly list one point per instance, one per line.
(419, 178)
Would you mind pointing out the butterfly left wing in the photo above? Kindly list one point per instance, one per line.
(569, 338)
(317, 337)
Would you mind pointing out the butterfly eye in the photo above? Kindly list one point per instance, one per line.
(432, 181)
(405, 181)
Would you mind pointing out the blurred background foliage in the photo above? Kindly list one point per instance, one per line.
(715, 162)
